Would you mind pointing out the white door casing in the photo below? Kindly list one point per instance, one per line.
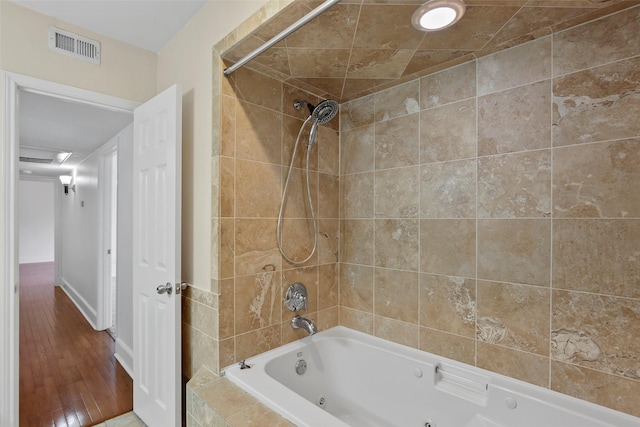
(12, 84)
(156, 252)
(107, 188)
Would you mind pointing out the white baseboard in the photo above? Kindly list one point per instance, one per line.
(87, 311)
(35, 260)
(124, 355)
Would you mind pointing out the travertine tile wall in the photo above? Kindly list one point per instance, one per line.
(199, 331)
(200, 307)
(490, 212)
(470, 228)
(259, 129)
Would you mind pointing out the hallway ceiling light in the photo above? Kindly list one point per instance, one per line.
(436, 15)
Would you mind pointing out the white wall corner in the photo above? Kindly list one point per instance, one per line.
(124, 355)
(87, 311)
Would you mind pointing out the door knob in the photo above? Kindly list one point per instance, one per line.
(166, 288)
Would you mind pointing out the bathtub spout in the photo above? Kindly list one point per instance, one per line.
(304, 323)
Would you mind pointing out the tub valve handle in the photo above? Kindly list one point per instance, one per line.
(296, 297)
(243, 365)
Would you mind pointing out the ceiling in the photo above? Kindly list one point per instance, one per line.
(362, 46)
(50, 127)
(147, 24)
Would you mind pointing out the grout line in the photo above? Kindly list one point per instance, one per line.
(338, 271)
(524, 218)
(374, 218)
(519, 350)
(236, 105)
(503, 26)
(597, 370)
(520, 86)
(419, 272)
(611, 296)
(551, 218)
(353, 42)
(604, 64)
(419, 217)
(450, 103)
(475, 329)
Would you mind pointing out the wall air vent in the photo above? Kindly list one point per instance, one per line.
(73, 45)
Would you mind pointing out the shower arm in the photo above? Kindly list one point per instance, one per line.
(281, 35)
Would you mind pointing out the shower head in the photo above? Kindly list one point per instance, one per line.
(325, 111)
(321, 113)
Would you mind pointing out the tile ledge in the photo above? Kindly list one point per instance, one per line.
(204, 380)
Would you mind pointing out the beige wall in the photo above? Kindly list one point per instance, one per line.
(125, 71)
(187, 60)
(490, 213)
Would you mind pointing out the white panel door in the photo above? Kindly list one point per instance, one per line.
(156, 266)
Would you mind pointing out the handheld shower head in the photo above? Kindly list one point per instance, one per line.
(313, 132)
(321, 113)
(325, 111)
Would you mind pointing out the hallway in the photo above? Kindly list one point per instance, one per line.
(68, 373)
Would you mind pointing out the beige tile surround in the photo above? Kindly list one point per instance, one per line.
(254, 161)
(513, 221)
(485, 213)
(360, 47)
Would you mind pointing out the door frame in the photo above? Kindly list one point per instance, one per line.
(12, 84)
(106, 175)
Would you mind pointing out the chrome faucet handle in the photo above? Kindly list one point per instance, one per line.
(296, 297)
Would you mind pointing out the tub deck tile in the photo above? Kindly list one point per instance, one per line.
(227, 405)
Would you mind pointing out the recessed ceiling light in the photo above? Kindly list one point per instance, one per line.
(437, 15)
(63, 156)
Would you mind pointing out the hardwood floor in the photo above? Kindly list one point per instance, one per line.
(68, 374)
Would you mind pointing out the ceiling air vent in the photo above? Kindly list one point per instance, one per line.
(36, 160)
(73, 45)
(44, 156)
